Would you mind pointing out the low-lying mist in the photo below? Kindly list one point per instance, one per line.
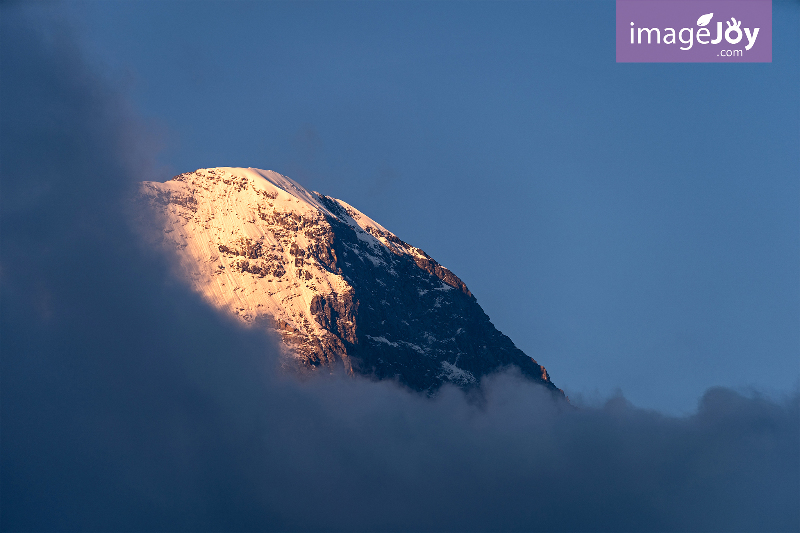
(128, 404)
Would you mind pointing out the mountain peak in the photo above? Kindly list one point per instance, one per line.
(338, 287)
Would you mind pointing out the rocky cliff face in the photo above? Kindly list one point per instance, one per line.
(338, 287)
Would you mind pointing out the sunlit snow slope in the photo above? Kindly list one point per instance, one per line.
(338, 287)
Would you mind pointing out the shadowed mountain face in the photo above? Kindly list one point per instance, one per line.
(338, 287)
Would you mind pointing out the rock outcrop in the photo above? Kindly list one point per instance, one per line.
(338, 287)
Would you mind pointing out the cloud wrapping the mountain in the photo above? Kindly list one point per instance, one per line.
(128, 404)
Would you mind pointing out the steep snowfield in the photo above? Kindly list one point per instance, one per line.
(238, 232)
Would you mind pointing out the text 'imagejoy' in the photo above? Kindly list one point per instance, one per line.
(661, 31)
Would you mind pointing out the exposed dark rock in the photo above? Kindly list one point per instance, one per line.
(410, 319)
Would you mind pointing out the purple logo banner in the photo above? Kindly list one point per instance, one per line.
(694, 31)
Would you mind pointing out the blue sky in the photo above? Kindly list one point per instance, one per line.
(630, 226)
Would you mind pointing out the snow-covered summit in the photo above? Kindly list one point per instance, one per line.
(339, 288)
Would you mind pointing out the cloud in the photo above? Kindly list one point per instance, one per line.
(127, 404)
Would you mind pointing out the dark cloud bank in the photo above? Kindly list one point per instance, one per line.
(128, 405)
